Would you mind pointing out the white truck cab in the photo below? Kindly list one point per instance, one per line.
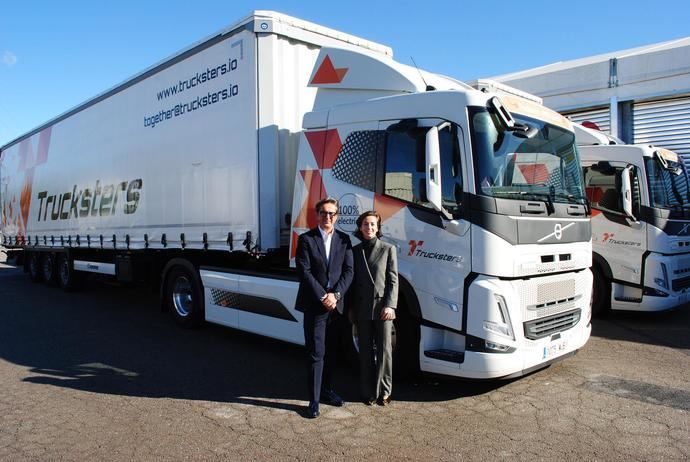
(640, 223)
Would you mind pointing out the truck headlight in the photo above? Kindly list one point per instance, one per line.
(663, 282)
(504, 327)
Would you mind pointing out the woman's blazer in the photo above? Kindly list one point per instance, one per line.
(375, 286)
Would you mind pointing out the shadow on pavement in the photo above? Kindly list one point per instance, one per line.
(115, 340)
(668, 328)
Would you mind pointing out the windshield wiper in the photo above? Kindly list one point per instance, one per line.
(571, 198)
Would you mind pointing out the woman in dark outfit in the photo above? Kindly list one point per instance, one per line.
(375, 288)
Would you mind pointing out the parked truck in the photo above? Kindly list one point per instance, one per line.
(199, 174)
(640, 223)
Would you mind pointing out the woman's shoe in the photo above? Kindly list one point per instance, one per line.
(383, 401)
(369, 401)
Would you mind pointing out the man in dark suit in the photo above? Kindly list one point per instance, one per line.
(324, 267)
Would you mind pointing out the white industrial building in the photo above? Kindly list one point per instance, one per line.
(641, 95)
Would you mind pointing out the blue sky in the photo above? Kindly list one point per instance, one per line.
(56, 54)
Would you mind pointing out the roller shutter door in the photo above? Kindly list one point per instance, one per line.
(599, 117)
(665, 124)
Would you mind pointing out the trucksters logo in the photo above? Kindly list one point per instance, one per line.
(416, 251)
(101, 200)
(607, 238)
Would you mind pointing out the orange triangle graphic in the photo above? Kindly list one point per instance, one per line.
(316, 191)
(387, 206)
(326, 147)
(327, 73)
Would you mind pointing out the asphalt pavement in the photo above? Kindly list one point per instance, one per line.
(102, 374)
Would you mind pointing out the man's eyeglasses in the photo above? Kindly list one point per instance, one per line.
(324, 214)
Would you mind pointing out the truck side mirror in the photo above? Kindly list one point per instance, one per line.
(433, 169)
(626, 191)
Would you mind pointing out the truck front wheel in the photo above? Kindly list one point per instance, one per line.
(601, 293)
(184, 296)
(407, 337)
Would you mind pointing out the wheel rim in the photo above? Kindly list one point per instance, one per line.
(182, 298)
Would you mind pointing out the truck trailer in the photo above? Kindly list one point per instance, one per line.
(199, 174)
(640, 223)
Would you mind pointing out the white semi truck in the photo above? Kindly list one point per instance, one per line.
(640, 223)
(199, 173)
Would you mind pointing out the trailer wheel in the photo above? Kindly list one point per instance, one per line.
(66, 276)
(184, 296)
(601, 293)
(35, 267)
(48, 268)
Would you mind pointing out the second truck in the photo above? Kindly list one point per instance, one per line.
(640, 223)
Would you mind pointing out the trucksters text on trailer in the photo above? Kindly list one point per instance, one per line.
(640, 223)
(199, 173)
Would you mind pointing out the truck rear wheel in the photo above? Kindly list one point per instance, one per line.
(48, 268)
(184, 296)
(35, 267)
(601, 293)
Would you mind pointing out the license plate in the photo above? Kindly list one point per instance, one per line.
(554, 349)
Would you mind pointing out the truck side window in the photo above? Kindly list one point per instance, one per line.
(405, 167)
(451, 173)
(604, 189)
(358, 159)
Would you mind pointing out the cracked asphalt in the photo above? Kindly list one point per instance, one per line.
(102, 374)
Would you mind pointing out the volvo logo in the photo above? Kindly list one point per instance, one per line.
(557, 232)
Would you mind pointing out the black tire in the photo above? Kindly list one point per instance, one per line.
(48, 270)
(65, 274)
(35, 267)
(406, 337)
(184, 297)
(601, 293)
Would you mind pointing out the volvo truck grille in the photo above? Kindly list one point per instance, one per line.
(543, 327)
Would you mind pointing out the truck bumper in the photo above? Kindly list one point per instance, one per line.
(533, 356)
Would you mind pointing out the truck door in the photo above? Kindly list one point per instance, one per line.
(619, 238)
(434, 244)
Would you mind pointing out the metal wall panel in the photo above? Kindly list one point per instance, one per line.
(665, 124)
(600, 117)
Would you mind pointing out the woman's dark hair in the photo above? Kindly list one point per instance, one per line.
(360, 219)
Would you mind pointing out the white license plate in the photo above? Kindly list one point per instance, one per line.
(554, 349)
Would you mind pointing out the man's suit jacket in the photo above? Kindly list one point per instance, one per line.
(375, 285)
(314, 271)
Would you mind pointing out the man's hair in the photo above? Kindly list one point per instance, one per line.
(327, 200)
(360, 219)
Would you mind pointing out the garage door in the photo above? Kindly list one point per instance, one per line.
(665, 124)
(592, 118)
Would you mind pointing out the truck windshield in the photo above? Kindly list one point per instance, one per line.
(545, 166)
(668, 185)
